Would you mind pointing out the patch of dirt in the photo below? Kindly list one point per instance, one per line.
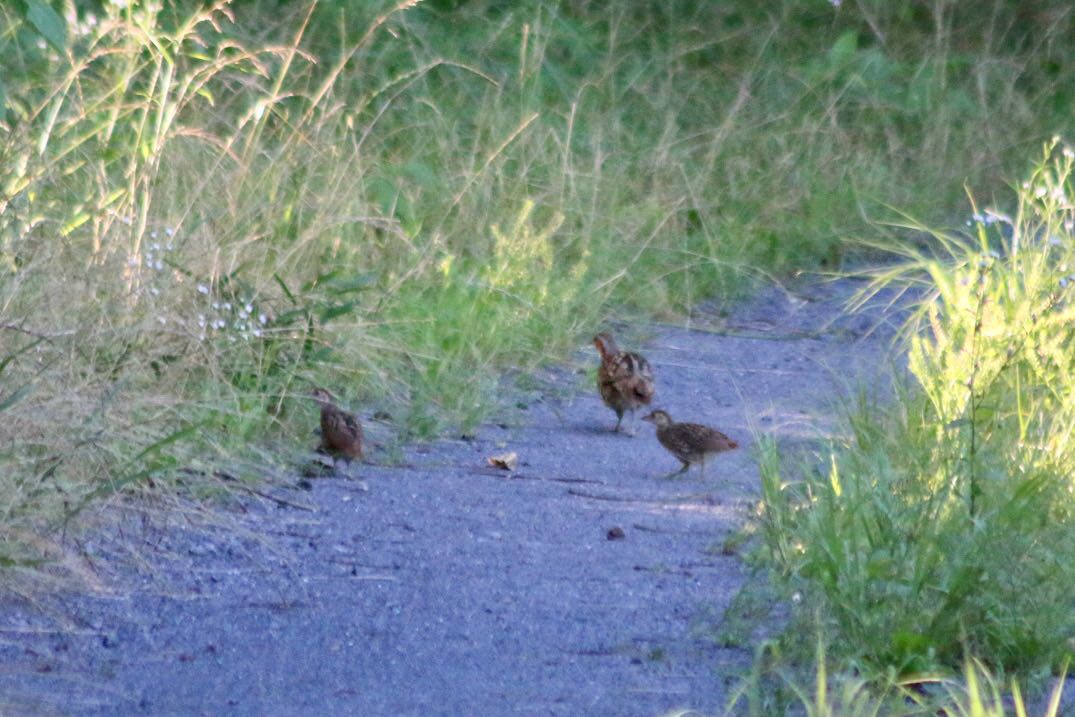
(580, 583)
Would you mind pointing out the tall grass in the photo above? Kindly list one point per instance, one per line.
(943, 525)
(208, 208)
(774, 689)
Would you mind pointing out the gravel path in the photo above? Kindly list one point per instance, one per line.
(444, 586)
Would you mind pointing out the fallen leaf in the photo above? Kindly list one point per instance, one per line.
(506, 461)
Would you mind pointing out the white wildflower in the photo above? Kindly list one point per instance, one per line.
(263, 319)
(168, 231)
(203, 289)
(992, 216)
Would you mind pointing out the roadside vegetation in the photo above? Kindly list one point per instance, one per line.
(940, 526)
(207, 209)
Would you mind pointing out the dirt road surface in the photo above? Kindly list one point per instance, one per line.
(443, 586)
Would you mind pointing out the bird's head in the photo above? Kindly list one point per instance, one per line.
(606, 345)
(321, 396)
(659, 418)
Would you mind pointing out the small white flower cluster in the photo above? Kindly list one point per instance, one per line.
(1041, 191)
(151, 256)
(236, 321)
(150, 264)
(81, 27)
(988, 217)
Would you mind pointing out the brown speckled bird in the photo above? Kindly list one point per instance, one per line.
(624, 378)
(341, 432)
(689, 442)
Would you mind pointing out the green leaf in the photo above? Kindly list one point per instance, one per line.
(287, 291)
(4, 362)
(844, 49)
(51, 26)
(15, 397)
(6, 561)
(331, 312)
(288, 317)
(422, 174)
(347, 284)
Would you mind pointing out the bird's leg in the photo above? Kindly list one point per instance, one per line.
(681, 471)
(633, 424)
(619, 420)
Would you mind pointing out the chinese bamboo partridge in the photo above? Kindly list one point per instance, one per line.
(689, 442)
(624, 378)
(341, 432)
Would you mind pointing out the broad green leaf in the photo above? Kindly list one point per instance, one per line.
(844, 49)
(47, 22)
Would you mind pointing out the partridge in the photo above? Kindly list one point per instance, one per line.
(341, 432)
(689, 442)
(624, 378)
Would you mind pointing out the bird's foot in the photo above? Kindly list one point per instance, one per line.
(681, 473)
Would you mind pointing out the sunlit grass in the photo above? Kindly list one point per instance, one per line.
(776, 687)
(942, 525)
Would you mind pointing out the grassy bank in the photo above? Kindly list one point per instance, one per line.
(209, 209)
(940, 527)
